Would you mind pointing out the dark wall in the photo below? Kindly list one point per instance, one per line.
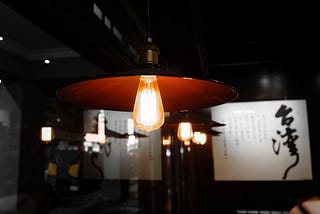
(32, 155)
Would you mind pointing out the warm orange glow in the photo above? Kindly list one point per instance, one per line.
(46, 134)
(187, 143)
(199, 138)
(185, 131)
(148, 112)
(166, 141)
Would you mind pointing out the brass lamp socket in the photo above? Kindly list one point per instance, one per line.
(149, 53)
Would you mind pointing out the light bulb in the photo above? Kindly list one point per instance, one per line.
(148, 113)
(185, 131)
(166, 140)
(199, 138)
(46, 134)
(187, 143)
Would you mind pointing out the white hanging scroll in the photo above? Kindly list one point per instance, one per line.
(264, 140)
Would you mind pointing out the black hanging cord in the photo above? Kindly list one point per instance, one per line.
(148, 19)
(93, 157)
(197, 29)
(107, 151)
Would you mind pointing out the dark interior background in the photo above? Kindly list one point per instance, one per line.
(241, 43)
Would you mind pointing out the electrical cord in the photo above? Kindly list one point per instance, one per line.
(93, 157)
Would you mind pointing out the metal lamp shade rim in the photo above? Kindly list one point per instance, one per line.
(118, 92)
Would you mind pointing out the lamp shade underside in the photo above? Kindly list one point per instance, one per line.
(118, 93)
(196, 119)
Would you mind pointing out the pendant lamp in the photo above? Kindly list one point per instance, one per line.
(192, 126)
(148, 91)
(198, 120)
(199, 138)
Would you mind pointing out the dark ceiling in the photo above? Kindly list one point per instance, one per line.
(194, 36)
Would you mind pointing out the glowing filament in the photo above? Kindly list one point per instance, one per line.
(46, 134)
(185, 131)
(166, 141)
(187, 143)
(148, 112)
(199, 138)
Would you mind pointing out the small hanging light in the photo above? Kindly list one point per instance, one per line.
(185, 132)
(199, 138)
(46, 134)
(166, 140)
(192, 126)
